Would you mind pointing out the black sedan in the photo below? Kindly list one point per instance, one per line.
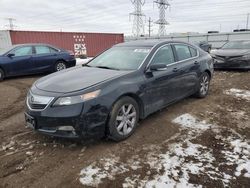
(27, 59)
(107, 96)
(233, 55)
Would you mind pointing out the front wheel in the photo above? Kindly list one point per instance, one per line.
(204, 83)
(60, 65)
(1, 74)
(123, 119)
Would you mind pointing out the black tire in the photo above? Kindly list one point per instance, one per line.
(116, 114)
(60, 65)
(204, 84)
(2, 75)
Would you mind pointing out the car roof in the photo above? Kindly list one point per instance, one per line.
(147, 43)
(31, 44)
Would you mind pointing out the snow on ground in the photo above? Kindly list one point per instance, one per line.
(83, 61)
(182, 159)
(244, 94)
(93, 175)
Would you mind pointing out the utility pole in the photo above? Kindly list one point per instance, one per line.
(138, 24)
(11, 24)
(149, 26)
(247, 20)
(163, 5)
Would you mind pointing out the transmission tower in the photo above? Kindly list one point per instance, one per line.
(149, 26)
(11, 24)
(138, 23)
(163, 5)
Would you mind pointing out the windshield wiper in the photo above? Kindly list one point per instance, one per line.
(105, 67)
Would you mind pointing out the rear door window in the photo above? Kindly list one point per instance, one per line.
(23, 51)
(182, 52)
(42, 50)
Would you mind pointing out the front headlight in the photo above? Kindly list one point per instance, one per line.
(65, 101)
(246, 57)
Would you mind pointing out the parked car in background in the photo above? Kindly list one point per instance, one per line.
(232, 55)
(107, 96)
(204, 46)
(27, 59)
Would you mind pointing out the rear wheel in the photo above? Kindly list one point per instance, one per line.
(1, 75)
(203, 85)
(60, 65)
(123, 119)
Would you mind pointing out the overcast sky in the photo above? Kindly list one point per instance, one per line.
(113, 15)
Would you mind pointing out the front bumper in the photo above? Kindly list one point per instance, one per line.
(234, 65)
(80, 120)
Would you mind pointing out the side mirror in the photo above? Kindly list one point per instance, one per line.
(11, 55)
(158, 66)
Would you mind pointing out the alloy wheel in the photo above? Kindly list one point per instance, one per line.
(204, 85)
(126, 119)
(60, 66)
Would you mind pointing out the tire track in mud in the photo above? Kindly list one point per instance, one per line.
(17, 105)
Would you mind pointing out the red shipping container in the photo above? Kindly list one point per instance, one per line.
(80, 43)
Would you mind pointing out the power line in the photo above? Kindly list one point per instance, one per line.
(162, 22)
(138, 24)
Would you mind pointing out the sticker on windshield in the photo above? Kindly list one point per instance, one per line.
(142, 50)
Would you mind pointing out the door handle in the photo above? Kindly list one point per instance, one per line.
(196, 62)
(175, 69)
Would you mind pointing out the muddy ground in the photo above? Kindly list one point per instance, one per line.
(196, 142)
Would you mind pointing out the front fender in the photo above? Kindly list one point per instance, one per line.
(128, 85)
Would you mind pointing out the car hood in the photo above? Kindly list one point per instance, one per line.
(230, 52)
(76, 79)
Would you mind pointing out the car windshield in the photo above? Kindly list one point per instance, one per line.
(237, 45)
(121, 58)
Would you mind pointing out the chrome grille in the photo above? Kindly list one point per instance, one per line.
(38, 106)
(36, 102)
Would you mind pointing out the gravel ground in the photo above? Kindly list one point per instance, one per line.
(194, 143)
